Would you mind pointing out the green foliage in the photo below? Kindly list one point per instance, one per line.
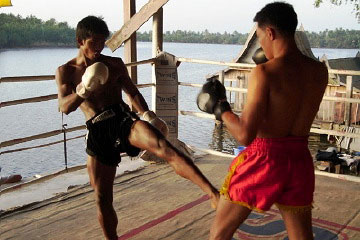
(356, 4)
(338, 38)
(16, 31)
(197, 37)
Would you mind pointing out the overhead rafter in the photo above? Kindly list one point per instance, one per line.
(134, 23)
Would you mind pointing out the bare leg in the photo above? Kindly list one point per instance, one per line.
(146, 137)
(298, 224)
(102, 180)
(228, 218)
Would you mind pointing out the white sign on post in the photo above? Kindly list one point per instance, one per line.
(166, 101)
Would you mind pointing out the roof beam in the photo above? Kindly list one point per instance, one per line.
(134, 23)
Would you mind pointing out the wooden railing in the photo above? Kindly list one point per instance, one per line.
(46, 98)
(238, 66)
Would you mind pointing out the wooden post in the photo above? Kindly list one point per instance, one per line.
(157, 33)
(130, 44)
(349, 90)
(230, 92)
(221, 77)
(166, 98)
(240, 97)
(219, 124)
(157, 47)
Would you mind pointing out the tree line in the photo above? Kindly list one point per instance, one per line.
(19, 32)
(338, 38)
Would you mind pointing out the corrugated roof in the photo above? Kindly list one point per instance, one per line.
(344, 64)
(252, 43)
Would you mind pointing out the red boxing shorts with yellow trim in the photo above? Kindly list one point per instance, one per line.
(272, 170)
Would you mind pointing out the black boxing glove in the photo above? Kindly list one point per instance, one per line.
(213, 97)
(259, 56)
(220, 108)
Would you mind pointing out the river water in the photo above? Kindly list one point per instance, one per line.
(34, 118)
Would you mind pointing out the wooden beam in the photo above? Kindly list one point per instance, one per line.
(344, 72)
(349, 90)
(39, 136)
(29, 100)
(134, 23)
(27, 78)
(232, 65)
(130, 44)
(157, 33)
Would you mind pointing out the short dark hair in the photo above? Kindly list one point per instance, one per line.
(90, 26)
(279, 15)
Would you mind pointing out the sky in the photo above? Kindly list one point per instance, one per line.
(194, 15)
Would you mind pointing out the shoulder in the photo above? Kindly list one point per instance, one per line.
(66, 69)
(260, 76)
(112, 61)
(262, 71)
(319, 69)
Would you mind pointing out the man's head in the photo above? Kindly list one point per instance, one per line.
(278, 15)
(89, 27)
(276, 21)
(91, 33)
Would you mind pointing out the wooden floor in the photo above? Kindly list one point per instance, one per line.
(154, 203)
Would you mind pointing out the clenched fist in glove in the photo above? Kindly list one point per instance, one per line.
(95, 75)
(158, 123)
(212, 98)
(259, 56)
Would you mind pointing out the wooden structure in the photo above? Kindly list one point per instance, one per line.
(343, 116)
(339, 87)
(163, 66)
(239, 78)
(164, 82)
(154, 203)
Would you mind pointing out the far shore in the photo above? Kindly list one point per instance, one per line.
(74, 46)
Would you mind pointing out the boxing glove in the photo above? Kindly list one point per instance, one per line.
(158, 123)
(95, 75)
(212, 98)
(259, 56)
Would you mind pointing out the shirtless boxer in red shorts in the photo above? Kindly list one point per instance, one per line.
(284, 95)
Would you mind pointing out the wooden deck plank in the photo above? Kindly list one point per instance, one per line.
(154, 203)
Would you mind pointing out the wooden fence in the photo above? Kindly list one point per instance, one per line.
(348, 100)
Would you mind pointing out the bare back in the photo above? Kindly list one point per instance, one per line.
(295, 86)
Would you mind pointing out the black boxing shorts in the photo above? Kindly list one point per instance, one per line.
(108, 134)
